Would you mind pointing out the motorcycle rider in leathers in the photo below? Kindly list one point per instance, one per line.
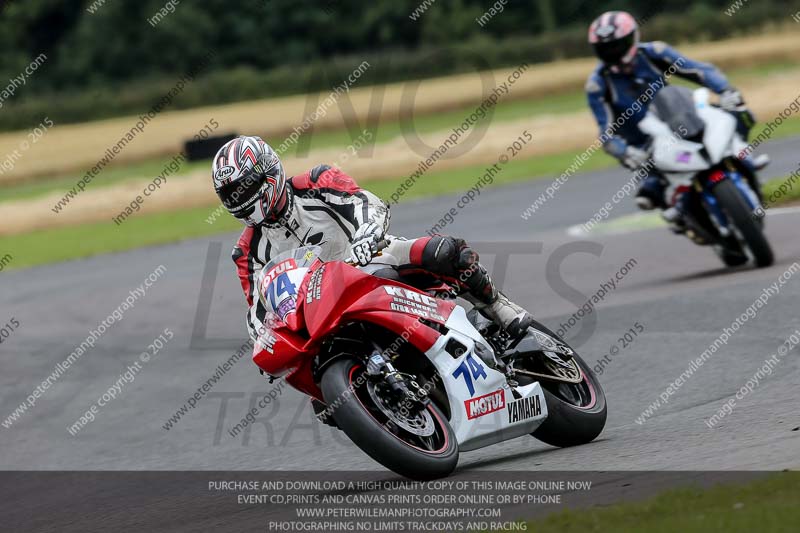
(627, 69)
(325, 207)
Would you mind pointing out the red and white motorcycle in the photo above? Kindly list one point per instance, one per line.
(409, 375)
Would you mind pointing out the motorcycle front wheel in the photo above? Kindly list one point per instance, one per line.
(741, 216)
(418, 445)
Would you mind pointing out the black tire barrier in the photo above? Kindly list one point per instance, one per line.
(200, 149)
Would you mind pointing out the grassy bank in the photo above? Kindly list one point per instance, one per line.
(107, 93)
(566, 102)
(766, 506)
(437, 102)
(73, 242)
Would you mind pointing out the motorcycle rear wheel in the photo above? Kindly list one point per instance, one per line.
(577, 412)
(355, 412)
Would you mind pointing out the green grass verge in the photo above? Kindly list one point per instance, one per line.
(441, 121)
(110, 176)
(567, 102)
(73, 242)
(769, 506)
(462, 179)
(790, 196)
(322, 139)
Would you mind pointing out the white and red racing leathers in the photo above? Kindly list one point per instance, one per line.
(325, 208)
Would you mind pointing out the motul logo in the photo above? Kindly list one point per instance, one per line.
(483, 405)
(276, 271)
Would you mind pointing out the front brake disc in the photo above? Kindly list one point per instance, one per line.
(418, 423)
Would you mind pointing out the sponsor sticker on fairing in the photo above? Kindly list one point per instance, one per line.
(276, 271)
(524, 408)
(413, 303)
(483, 405)
(314, 290)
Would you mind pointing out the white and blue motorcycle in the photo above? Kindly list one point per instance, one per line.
(695, 146)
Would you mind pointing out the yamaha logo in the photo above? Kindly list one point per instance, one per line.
(524, 409)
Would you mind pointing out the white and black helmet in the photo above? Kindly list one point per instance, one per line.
(249, 180)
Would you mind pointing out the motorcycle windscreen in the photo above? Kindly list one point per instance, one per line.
(280, 280)
(676, 107)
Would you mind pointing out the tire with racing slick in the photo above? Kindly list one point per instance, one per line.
(577, 412)
(344, 388)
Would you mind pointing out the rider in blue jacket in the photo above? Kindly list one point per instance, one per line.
(631, 71)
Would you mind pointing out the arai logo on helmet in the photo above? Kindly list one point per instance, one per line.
(224, 172)
(605, 31)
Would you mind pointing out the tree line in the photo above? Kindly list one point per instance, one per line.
(104, 58)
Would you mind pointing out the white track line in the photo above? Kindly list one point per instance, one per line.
(577, 230)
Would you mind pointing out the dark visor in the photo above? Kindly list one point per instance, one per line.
(613, 51)
(239, 194)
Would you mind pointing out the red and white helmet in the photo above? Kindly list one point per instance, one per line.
(614, 35)
(249, 180)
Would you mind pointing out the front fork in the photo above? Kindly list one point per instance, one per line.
(706, 187)
(379, 367)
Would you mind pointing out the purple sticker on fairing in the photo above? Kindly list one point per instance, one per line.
(684, 157)
(287, 306)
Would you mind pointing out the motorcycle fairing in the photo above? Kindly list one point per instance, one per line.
(673, 154)
(719, 133)
(347, 294)
(284, 355)
(335, 293)
(484, 408)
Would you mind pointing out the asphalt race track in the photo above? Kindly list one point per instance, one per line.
(676, 291)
